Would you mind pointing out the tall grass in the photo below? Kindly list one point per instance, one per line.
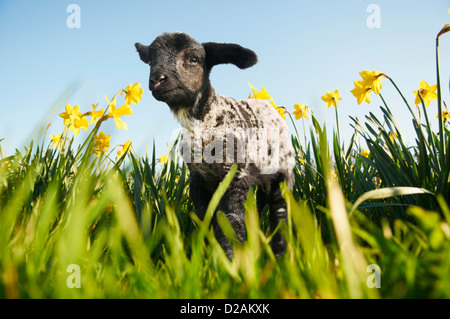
(129, 224)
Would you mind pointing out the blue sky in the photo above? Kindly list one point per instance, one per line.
(304, 49)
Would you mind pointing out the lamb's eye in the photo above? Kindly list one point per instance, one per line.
(193, 61)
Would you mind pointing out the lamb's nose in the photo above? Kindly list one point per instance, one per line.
(157, 79)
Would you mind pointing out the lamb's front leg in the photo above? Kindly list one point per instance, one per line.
(232, 204)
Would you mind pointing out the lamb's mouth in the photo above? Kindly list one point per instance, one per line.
(162, 93)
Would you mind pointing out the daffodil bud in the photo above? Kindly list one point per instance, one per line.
(445, 29)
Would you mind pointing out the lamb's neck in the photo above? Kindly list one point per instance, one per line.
(188, 115)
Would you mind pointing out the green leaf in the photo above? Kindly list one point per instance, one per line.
(388, 192)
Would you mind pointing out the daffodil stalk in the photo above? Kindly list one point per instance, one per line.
(428, 126)
(404, 99)
(301, 111)
(298, 136)
(445, 177)
(445, 29)
(337, 125)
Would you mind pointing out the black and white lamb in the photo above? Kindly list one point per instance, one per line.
(220, 131)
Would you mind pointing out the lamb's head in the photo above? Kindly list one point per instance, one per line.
(180, 66)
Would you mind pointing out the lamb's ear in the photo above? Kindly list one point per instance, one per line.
(143, 52)
(220, 53)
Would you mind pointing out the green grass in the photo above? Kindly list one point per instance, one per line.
(129, 225)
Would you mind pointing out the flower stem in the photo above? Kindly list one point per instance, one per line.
(404, 100)
(295, 128)
(430, 134)
(337, 125)
(441, 118)
(298, 136)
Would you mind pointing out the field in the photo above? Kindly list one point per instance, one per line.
(363, 222)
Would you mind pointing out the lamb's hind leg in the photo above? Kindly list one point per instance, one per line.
(277, 214)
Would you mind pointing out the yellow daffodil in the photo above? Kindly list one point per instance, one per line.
(133, 93)
(361, 92)
(56, 140)
(70, 114)
(101, 143)
(77, 124)
(163, 159)
(427, 92)
(372, 79)
(365, 152)
(262, 95)
(279, 109)
(445, 116)
(393, 137)
(125, 148)
(332, 98)
(301, 110)
(378, 180)
(117, 113)
(95, 114)
(74, 119)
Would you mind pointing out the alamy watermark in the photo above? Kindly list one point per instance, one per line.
(374, 280)
(374, 19)
(74, 279)
(259, 146)
(73, 21)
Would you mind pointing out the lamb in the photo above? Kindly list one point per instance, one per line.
(220, 131)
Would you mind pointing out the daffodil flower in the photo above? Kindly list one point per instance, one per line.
(300, 111)
(163, 159)
(445, 116)
(77, 124)
(95, 114)
(365, 152)
(70, 114)
(56, 140)
(361, 92)
(279, 109)
(392, 137)
(427, 92)
(117, 113)
(133, 93)
(74, 119)
(372, 79)
(101, 143)
(125, 148)
(332, 98)
(262, 95)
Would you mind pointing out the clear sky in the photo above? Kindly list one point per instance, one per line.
(304, 49)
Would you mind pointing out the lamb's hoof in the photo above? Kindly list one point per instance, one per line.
(278, 247)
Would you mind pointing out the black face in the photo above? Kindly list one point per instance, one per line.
(177, 65)
(180, 66)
